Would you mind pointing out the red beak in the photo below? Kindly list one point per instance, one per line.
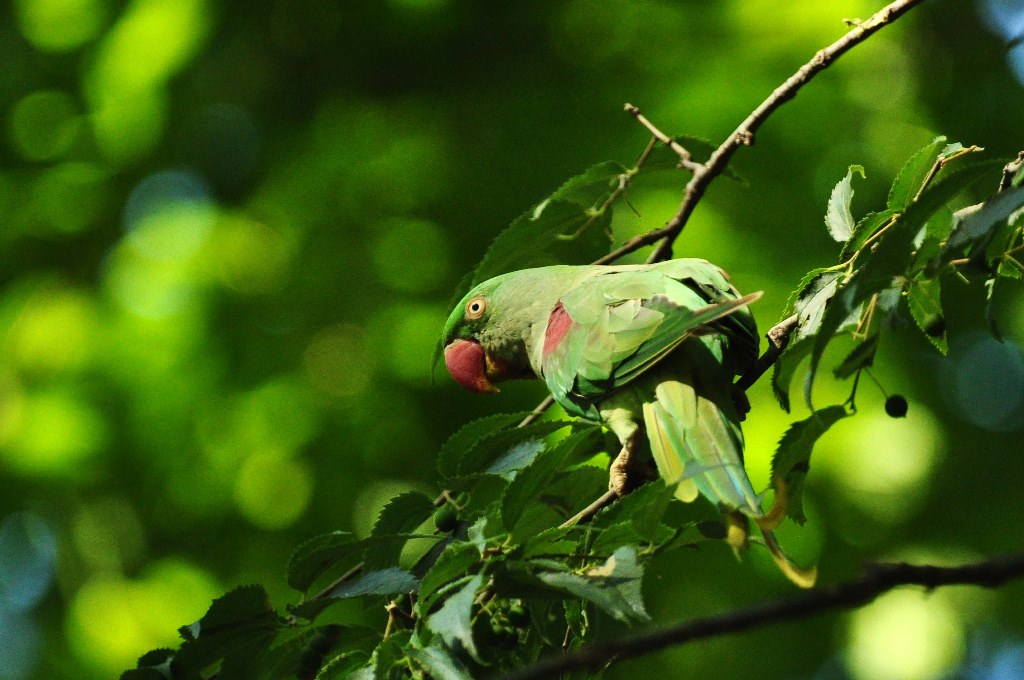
(467, 362)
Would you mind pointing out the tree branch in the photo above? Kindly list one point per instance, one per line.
(744, 134)
(877, 579)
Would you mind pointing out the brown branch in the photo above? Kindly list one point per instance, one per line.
(744, 134)
(877, 579)
(778, 338)
(685, 157)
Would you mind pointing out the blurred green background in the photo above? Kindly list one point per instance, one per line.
(228, 235)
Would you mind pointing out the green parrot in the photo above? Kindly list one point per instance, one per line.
(650, 351)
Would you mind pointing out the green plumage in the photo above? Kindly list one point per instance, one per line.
(647, 350)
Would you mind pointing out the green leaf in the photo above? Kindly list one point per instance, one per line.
(439, 663)
(528, 484)
(643, 509)
(453, 563)
(793, 455)
(865, 229)
(589, 189)
(240, 623)
(913, 174)
(785, 368)
(320, 553)
(613, 587)
(924, 299)
(818, 287)
(502, 451)
(453, 622)
(387, 581)
(402, 515)
(342, 667)
(972, 230)
(468, 435)
(862, 356)
(548, 234)
(838, 217)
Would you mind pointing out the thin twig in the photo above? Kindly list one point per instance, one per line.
(586, 513)
(778, 338)
(685, 157)
(877, 579)
(744, 134)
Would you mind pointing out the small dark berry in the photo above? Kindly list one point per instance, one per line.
(935, 327)
(896, 406)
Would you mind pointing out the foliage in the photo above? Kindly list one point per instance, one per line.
(495, 579)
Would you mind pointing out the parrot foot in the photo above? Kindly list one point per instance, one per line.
(627, 472)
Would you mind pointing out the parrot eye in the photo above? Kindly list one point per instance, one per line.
(475, 308)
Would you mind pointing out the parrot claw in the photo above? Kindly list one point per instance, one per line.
(627, 472)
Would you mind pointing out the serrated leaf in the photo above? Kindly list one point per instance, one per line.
(613, 587)
(387, 581)
(320, 553)
(924, 299)
(616, 536)
(973, 230)
(453, 622)
(468, 435)
(451, 564)
(865, 229)
(493, 448)
(241, 623)
(785, 368)
(861, 357)
(591, 188)
(527, 485)
(548, 234)
(403, 514)
(792, 457)
(911, 176)
(439, 663)
(812, 301)
(342, 667)
(838, 217)
(643, 509)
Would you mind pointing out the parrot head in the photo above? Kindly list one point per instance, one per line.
(489, 335)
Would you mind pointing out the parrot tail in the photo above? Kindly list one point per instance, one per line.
(737, 536)
(800, 576)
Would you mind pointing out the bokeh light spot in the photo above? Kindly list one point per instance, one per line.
(21, 645)
(148, 288)
(983, 381)
(168, 215)
(150, 42)
(412, 332)
(337, 361)
(68, 197)
(55, 331)
(411, 256)
(272, 491)
(251, 257)
(112, 621)
(882, 465)
(108, 534)
(905, 635)
(60, 25)
(56, 432)
(44, 124)
(27, 552)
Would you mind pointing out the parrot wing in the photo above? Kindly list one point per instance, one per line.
(620, 323)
